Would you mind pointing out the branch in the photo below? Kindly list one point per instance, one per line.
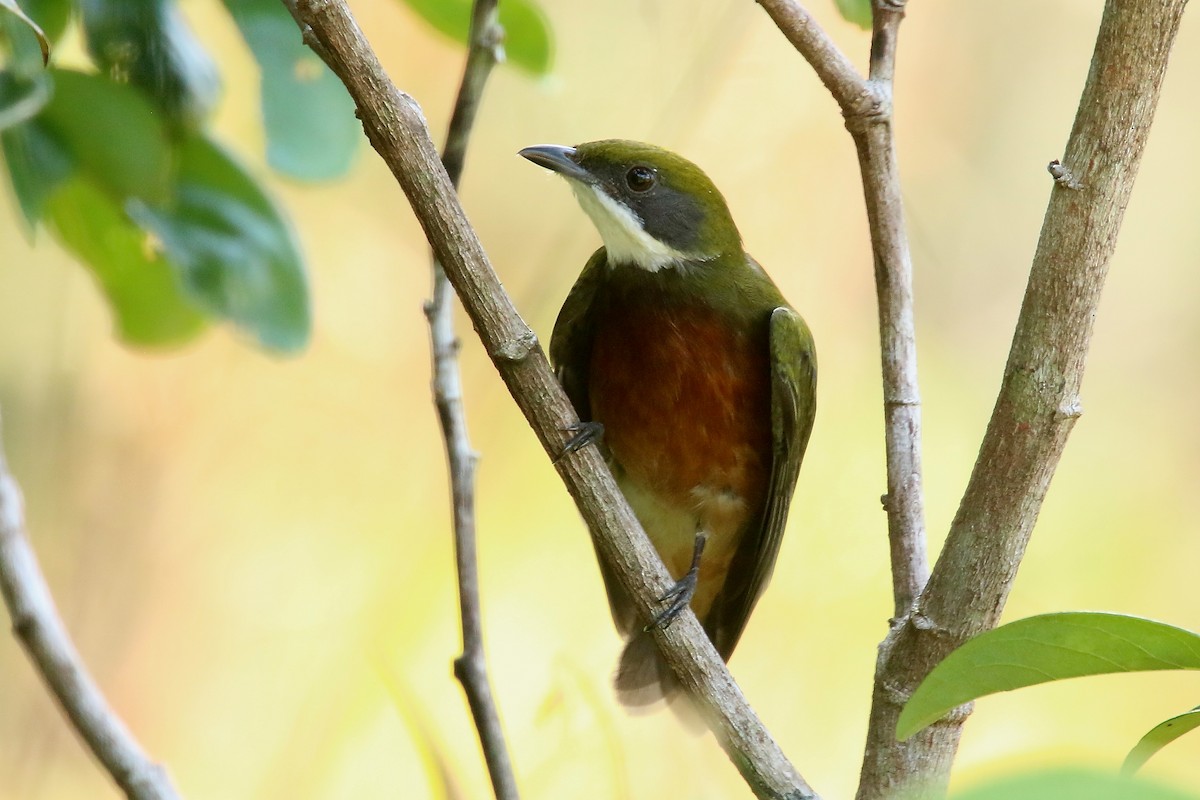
(41, 632)
(1039, 398)
(397, 130)
(867, 107)
(470, 668)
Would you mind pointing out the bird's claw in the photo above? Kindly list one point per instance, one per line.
(585, 433)
(680, 595)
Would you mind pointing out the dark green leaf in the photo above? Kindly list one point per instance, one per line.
(1046, 648)
(528, 42)
(51, 16)
(237, 255)
(112, 133)
(527, 39)
(148, 44)
(856, 11)
(1159, 737)
(10, 7)
(22, 96)
(36, 163)
(312, 133)
(141, 287)
(1071, 784)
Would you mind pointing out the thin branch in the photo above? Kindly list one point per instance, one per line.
(485, 50)
(831, 65)
(41, 632)
(1039, 398)
(867, 107)
(397, 130)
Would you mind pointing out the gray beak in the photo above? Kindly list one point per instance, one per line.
(557, 158)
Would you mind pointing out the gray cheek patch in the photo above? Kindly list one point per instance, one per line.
(671, 217)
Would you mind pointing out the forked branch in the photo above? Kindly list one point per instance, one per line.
(397, 130)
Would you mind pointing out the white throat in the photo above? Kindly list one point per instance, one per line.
(621, 230)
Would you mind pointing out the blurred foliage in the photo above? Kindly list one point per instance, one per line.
(856, 11)
(1159, 737)
(1048, 647)
(527, 39)
(312, 132)
(116, 166)
(1071, 784)
(43, 41)
(128, 151)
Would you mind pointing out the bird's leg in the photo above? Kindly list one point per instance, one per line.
(585, 433)
(680, 595)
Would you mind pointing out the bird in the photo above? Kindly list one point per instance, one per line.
(694, 377)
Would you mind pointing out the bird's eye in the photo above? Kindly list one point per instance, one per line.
(639, 179)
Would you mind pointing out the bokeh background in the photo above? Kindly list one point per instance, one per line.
(253, 553)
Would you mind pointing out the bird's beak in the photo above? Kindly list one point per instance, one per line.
(557, 158)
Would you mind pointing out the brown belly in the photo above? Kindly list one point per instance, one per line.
(685, 403)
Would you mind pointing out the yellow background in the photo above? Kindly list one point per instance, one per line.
(253, 553)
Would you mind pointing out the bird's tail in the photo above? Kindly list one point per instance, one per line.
(643, 678)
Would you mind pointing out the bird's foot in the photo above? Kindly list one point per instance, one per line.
(585, 433)
(680, 595)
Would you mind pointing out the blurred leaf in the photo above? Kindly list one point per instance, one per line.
(141, 287)
(21, 96)
(856, 11)
(148, 44)
(1046, 648)
(36, 163)
(528, 42)
(51, 16)
(112, 133)
(1159, 737)
(1071, 784)
(237, 255)
(312, 133)
(11, 7)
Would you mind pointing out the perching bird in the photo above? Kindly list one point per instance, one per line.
(703, 379)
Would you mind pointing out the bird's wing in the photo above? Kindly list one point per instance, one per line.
(793, 406)
(571, 341)
(570, 355)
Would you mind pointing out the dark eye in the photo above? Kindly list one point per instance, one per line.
(639, 179)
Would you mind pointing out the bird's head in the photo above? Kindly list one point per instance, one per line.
(653, 208)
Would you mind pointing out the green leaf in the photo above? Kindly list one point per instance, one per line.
(141, 287)
(112, 134)
(1046, 648)
(237, 255)
(22, 96)
(43, 42)
(312, 133)
(36, 163)
(1159, 737)
(528, 42)
(1071, 784)
(856, 11)
(148, 44)
(51, 16)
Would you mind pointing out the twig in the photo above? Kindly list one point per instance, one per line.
(485, 50)
(41, 632)
(397, 130)
(867, 107)
(1039, 398)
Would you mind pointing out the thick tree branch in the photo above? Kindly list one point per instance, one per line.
(397, 130)
(41, 632)
(867, 107)
(470, 668)
(1039, 398)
